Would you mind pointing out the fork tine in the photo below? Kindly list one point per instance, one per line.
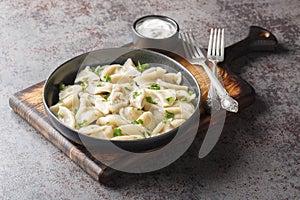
(209, 53)
(185, 45)
(222, 45)
(214, 43)
(197, 49)
(218, 51)
(188, 37)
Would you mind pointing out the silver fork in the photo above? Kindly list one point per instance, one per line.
(215, 54)
(195, 55)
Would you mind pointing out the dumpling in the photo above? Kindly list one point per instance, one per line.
(117, 99)
(113, 120)
(183, 95)
(86, 116)
(181, 110)
(108, 71)
(162, 127)
(174, 78)
(150, 76)
(170, 85)
(147, 120)
(71, 102)
(86, 75)
(66, 116)
(99, 88)
(158, 129)
(55, 107)
(134, 129)
(101, 104)
(120, 78)
(128, 69)
(130, 113)
(166, 97)
(177, 122)
(69, 90)
(137, 98)
(103, 132)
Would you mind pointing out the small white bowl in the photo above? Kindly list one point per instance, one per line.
(155, 31)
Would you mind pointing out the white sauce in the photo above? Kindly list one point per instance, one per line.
(156, 28)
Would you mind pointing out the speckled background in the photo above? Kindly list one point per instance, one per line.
(258, 154)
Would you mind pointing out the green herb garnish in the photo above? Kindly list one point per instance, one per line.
(83, 123)
(150, 100)
(169, 115)
(107, 78)
(136, 94)
(97, 70)
(62, 86)
(106, 96)
(170, 99)
(183, 99)
(190, 92)
(137, 122)
(126, 88)
(59, 116)
(84, 85)
(75, 111)
(117, 132)
(142, 67)
(154, 87)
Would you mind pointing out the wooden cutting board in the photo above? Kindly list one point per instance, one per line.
(28, 104)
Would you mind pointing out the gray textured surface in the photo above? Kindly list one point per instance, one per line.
(258, 155)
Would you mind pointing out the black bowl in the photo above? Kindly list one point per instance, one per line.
(67, 72)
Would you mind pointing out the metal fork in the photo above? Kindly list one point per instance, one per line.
(215, 54)
(196, 56)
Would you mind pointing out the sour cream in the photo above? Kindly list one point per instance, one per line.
(156, 28)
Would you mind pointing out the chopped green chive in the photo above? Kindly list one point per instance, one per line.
(183, 99)
(142, 67)
(190, 92)
(107, 78)
(137, 122)
(154, 87)
(150, 100)
(85, 80)
(84, 85)
(135, 95)
(106, 96)
(75, 111)
(169, 115)
(83, 123)
(170, 99)
(59, 116)
(62, 86)
(97, 70)
(117, 132)
(126, 88)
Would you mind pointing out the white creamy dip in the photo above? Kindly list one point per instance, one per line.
(156, 28)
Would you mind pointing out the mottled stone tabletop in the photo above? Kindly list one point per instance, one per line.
(258, 154)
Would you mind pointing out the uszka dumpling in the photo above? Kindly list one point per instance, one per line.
(103, 132)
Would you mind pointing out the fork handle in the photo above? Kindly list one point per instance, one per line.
(258, 40)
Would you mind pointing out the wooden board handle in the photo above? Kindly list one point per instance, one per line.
(258, 40)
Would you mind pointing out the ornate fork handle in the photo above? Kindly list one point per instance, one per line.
(227, 102)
